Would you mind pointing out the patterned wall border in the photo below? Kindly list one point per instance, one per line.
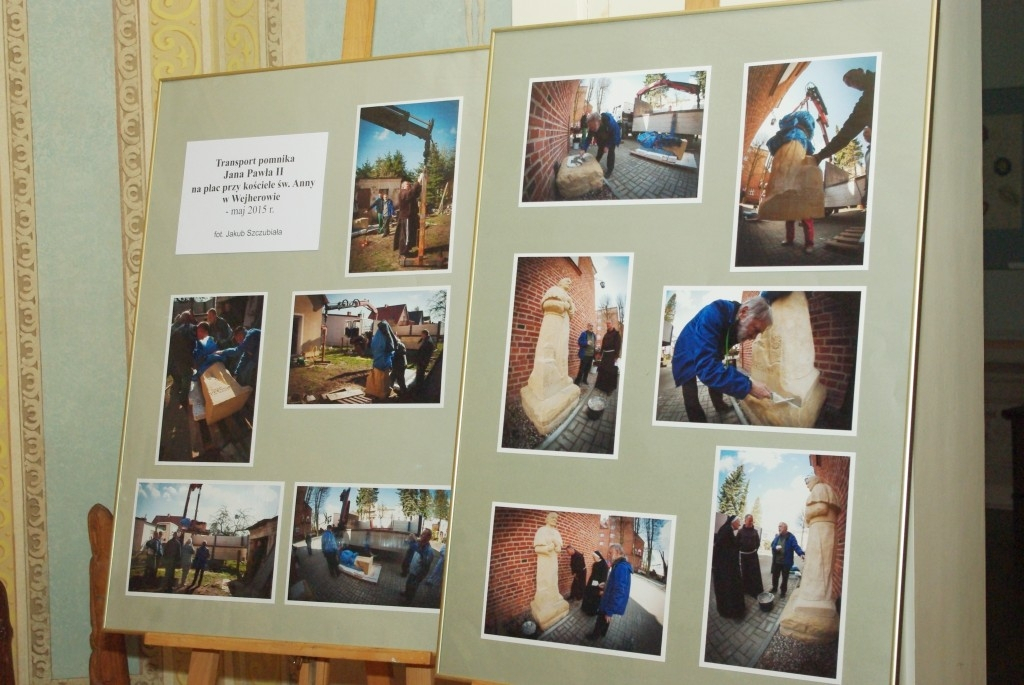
(155, 39)
(26, 419)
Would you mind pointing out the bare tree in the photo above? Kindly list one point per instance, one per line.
(315, 498)
(603, 84)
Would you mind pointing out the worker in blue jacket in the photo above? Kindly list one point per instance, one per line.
(615, 596)
(702, 349)
(784, 546)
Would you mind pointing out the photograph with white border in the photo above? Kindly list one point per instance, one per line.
(622, 137)
(403, 193)
(565, 348)
(798, 115)
(778, 562)
(208, 539)
(596, 580)
(371, 546)
(211, 388)
(367, 348)
(750, 359)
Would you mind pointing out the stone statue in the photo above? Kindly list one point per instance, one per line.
(811, 614)
(550, 394)
(783, 358)
(548, 605)
(820, 516)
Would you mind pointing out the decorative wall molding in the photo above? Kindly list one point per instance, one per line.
(21, 305)
(153, 40)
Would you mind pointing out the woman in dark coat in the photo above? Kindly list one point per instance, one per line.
(598, 576)
(725, 571)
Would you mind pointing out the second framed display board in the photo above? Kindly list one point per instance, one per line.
(286, 462)
(683, 445)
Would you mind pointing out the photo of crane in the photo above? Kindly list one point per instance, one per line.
(805, 163)
(404, 189)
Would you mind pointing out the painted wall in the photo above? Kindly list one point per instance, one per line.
(81, 310)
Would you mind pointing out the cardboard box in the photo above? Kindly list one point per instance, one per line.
(364, 564)
(222, 393)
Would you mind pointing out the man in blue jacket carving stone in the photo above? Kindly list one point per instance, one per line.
(702, 348)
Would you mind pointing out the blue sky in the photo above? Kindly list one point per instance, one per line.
(827, 75)
(375, 142)
(260, 500)
(613, 271)
(419, 297)
(776, 476)
(691, 300)
(624, 85)
(387, 497)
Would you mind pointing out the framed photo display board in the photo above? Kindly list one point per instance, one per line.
(657, 350)
(287, 457)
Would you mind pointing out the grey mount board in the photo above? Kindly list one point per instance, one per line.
(670, 470)
(389, 445)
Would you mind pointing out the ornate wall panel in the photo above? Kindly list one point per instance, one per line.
(157, 39)
(23, 446)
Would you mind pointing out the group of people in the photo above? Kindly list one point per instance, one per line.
(611, 347)
(390, 360)
(736, 567)
(418, 564)
(196, 345)
(172, 554)
(406, 239)
(606, 594)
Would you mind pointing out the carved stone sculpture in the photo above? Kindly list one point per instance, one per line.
(550, 395)
(548, 605)
(811, 614)
(783, 359)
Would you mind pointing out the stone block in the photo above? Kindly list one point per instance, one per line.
(579, 176)
(810, 621)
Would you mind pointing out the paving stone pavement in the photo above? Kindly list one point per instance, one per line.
(758, 243)
(636, 178)
(670, 402)
(580, 433)
(345, 589)
(742, 641)
(636, 631)
(754, 641)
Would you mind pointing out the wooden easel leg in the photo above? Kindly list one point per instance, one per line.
(378, 673)
(314, 672)
(419, 675)
(203, 667)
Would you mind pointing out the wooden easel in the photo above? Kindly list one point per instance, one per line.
(204, 662)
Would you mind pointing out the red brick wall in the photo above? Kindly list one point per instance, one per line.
(835, 317)
(534, 275)
(836, 472)
(547, 136)
(512, 576)
(764, 93)
(753, 175)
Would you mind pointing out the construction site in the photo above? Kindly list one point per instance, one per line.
(649, 129)
(332, 358)
(838, 115)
